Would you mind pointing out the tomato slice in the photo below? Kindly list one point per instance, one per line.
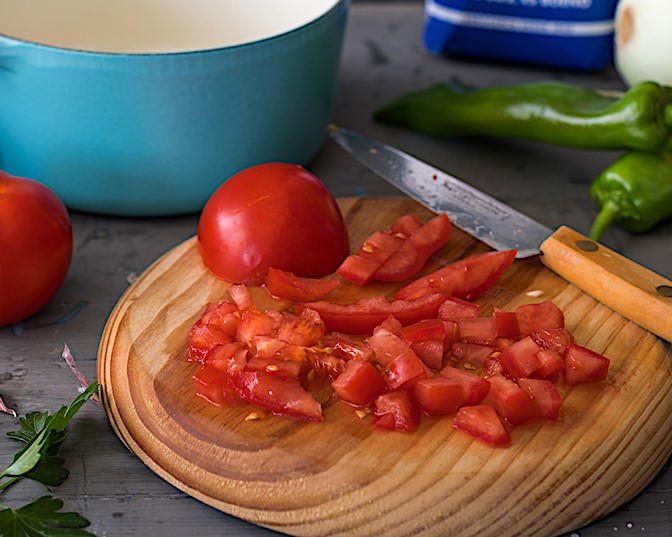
(396, 410)
(359, 384)
(408, 259)
(438, 396)
(288, 286)
(282, 396)
(467, 278)
(360, 267)
(482, 423)
(583, 365)
(363, 316)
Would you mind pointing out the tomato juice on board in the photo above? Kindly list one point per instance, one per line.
(424, 350)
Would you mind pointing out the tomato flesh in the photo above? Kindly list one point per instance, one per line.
(438, 396)
(396, 410)
(359, 384)
(482, 423)
(583, 365)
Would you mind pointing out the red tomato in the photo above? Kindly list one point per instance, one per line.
(360, 383)
(272, 214)
(360, 267)
(545, 397)
(396, 410)
(467, 278)
(520, 359)
(438, 396)
(583, 365)
(287, 286)
(364, 315)
(405, 369)
(35, 247)
(510, 401)
(541, 316)
(474, 388)
(482, 423)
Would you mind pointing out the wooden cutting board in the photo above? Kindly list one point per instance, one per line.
(343, 477)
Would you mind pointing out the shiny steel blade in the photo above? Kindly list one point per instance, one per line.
(482, 216)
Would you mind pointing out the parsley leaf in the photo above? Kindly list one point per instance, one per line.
(42, 434)
(42, 518)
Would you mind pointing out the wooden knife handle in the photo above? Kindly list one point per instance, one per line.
(632, 290)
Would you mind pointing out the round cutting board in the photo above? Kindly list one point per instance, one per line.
(344, 477)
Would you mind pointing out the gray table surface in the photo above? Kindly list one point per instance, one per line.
(383, 57)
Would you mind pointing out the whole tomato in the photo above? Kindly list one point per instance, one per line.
(272, 215)
(35, 247)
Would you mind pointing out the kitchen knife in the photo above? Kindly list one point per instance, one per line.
(632, 290)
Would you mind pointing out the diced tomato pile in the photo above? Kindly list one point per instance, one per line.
(428, 351)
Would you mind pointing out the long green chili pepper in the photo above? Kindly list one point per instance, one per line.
(635, 192)
(551, 112)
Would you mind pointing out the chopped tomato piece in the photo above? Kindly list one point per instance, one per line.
(473, 355)
(510, 401)
(544, 315)
(520, 359)
(438, 396)
(404, 370)
(213, 385)
(474, 388)
(423, 330)
(228, 358)
(414, 252)
(360, 267)
(583, 365)
(359, 384)
(507, 323)
(279, 395)
(274, 366)
(551, 364)
(545, 397)
(454, 309)
(364, 315)
(391, 324)
(430, 351)
(347, 349)
(482, 423)
(254, 323)
(304, 329)
(240, 294)
(216, 325)
(467, 278)
(287, 286)
(481, 330)
(396, 410)
(387, 346)
(553, 338)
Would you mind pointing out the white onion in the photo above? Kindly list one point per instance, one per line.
(643, 41)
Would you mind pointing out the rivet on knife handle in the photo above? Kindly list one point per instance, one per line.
(632, 290)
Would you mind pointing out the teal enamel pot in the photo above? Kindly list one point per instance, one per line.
(136, 107)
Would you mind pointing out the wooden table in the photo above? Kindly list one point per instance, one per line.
(383, 57)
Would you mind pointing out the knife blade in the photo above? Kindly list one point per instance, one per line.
(626, 287)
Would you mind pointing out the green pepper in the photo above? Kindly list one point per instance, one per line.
(635, 192)
(551, 112)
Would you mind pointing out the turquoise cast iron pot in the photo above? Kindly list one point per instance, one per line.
(155, 133)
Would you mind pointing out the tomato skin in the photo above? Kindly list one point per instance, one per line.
(274, 214)
(35, 247)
